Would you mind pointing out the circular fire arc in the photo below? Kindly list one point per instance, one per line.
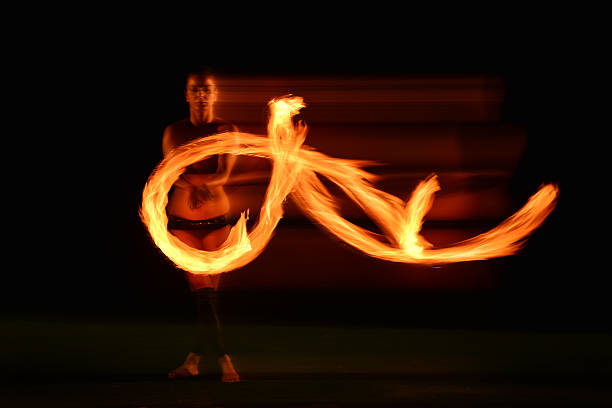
(294, 173)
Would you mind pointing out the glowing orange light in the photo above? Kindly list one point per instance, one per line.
(294, 172)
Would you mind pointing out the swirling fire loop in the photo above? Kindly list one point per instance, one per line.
(294, 173)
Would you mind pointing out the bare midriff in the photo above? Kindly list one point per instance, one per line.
(178, 202)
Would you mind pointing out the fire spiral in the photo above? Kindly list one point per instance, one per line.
(294, 173)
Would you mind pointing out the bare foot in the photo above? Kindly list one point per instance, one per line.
(188, 369)
(229, 373)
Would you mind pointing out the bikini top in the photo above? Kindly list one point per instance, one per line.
(210, 164)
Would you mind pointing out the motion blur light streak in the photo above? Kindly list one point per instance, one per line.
(294, 172)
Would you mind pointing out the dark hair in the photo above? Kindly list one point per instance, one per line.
(200, 70)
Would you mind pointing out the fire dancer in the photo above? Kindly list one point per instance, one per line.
(198, 215)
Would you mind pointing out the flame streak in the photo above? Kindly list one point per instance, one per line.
(294, 173)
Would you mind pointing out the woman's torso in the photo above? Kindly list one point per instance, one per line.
(179, 200)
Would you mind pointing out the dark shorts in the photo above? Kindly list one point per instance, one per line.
(210, 224)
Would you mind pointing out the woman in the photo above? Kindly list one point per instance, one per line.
(197, 214)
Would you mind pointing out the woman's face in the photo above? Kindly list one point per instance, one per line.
(201, 92)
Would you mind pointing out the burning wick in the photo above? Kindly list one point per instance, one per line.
(294, 172)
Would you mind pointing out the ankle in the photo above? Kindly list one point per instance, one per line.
(192, 359)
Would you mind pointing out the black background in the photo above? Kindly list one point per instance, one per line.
(93, 111)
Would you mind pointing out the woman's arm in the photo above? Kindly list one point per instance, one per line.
(168, 142)
(225, 165)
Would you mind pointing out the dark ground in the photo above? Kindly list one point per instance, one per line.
(123, 364)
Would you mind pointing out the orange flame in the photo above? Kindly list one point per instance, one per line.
(294, 173)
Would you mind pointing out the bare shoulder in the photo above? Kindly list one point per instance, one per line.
(177, 127)
(174, 135)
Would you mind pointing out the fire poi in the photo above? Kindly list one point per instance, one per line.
(294, 173)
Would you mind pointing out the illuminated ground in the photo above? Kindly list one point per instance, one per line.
(98, 364)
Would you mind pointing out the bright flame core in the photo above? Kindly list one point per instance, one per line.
(294, 172)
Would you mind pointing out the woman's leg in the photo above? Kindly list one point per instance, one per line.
(194, 239)
(209, 335)
(189, 237)
(215, 238)
(202, 239)
(190, 366)
(211, 242)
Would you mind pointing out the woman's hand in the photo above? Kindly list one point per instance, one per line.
(198, 195)
(199, 189)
